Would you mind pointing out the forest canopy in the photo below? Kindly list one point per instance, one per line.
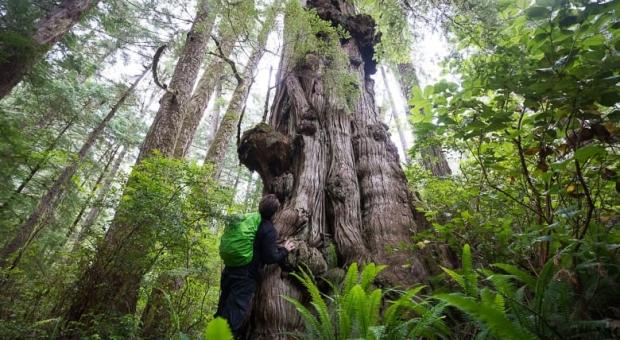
(446, 169)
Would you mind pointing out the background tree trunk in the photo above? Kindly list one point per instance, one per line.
(93, 191)
(197, 105)
(95, 209)
(226, 128)
(49, 30)
(396, 117)
(166, 127)
(39, 165)
(433, 157)
(109, 288)
(28, 230)
(331, 162)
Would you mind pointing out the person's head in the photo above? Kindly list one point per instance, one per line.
(268, 206)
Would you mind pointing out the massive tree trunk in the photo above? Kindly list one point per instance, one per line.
(28, 230)
(210, 80)
(332, 163)
(433, 157)
(396, 117)
(18, 60)
(226, 128)
(109, 288)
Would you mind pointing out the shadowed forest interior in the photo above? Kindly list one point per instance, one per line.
(446, 169)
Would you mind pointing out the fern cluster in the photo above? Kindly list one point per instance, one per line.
(359, 310)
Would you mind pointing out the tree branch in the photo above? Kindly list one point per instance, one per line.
(221, 54)
(156, 58)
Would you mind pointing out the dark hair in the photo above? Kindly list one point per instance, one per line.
(268, 206)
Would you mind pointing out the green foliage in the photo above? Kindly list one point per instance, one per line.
(315, 41)
(396, 38)
(354, 310)
(518, 305)
(218, 329)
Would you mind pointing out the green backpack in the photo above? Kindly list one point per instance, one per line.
(237, 242)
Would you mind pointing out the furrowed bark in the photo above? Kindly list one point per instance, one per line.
(197, 105)
(109, 288)
(332, 164)
(156, 319)
(433, 157)
(49, 30)
(30, 228)
(166, 127)
(226, 129)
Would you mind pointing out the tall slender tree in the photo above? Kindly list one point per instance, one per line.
(226, 128)
(210, 79)
(433, 157)
(396, 117)
(50, 200)
(329, 158)
(109, 287)
(17, 60)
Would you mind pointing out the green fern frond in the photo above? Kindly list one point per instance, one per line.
(469, 275)
(456, 277)
(521, 275)
(218, 329)
(488, 315)
(351, 278)
(369, 274)
(317, 302)
(313, 327)
(431, 323)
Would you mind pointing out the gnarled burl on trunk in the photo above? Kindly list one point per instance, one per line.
(332, 164)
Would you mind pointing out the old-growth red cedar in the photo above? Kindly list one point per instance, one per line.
(49, 30)
(334, 167)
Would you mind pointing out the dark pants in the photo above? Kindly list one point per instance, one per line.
(237, 288)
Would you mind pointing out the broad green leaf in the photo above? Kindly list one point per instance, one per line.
(590, 151)
(218, 329)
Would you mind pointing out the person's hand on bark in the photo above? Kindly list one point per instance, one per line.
(289, 245)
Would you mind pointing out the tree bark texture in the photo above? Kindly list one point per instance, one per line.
(215, 115)
(433, 157)
(166, 127)
(49, 30)
(197, 105)
(226, 128)
(28, 230)
(336, 171)
(109, 288)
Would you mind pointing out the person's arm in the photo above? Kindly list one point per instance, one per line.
(271, 252)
